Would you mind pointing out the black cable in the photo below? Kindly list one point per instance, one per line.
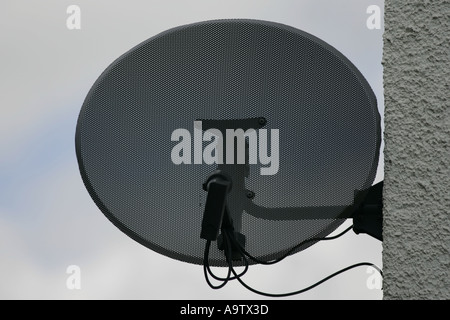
(313, 285)
(278, 295)
(211, 273)
(291, 250)
(207, 270)
(228, 245)
(228, 237)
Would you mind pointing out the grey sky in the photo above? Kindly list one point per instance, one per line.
(47, 219)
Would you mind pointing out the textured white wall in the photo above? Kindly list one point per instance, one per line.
(416, 246)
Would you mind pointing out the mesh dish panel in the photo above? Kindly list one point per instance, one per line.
(325, 111)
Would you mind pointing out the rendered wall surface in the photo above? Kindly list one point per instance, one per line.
(416, 229)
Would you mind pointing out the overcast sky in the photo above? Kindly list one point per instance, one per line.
(48, 220)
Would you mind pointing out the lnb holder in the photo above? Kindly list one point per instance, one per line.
(216, 216)
(235, 251)
(218, 186)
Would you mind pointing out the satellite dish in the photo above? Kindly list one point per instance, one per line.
(252, 124)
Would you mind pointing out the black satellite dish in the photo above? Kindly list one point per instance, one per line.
(246, 124)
